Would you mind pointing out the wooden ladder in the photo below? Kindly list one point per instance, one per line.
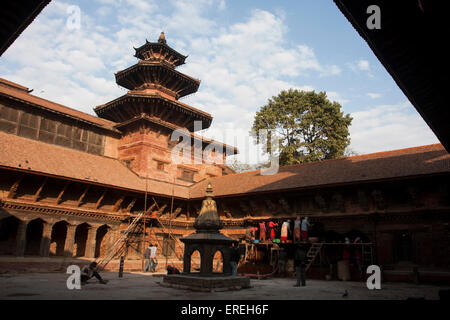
(169, 233)
(312, 254)
(118, 248)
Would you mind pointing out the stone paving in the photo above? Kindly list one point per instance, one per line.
(147, 286)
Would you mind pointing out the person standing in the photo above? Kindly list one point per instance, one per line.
(304, 229)
(147, 254)
(235, 257)
(153, 260)
(299, 262)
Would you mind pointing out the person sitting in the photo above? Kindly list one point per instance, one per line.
(89, 271)
(172, 270)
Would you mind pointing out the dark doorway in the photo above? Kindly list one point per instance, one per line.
(8, 233)
(403, 247)
(34, 236)
(81, 234)
(100, 243)
(59, 233)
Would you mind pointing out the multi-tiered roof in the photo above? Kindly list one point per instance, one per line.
(154, 89)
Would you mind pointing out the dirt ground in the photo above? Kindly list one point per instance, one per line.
(142, 286)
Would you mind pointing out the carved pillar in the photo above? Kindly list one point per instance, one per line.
(21, 238)
(46, 239)
(70, 240)
(91, 242)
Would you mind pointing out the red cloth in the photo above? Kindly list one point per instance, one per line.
(262, 231)
(304, 235)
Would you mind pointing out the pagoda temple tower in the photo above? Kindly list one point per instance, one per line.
(150, 111)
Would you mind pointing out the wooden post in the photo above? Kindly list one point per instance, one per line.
(122, 260)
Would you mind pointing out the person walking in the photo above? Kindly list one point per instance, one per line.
(299, 262)
(147, 254)
(235, 257)
(153, 260)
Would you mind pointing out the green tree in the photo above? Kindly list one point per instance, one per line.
(310, 126)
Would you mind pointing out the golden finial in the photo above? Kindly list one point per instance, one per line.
(162, 38)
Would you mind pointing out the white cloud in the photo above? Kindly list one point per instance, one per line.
(363, 65)
(374, 95)
(389, 127)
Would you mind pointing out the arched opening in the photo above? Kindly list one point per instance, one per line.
(59, 233)
(8, 234)
(81, 234)
(34, 236)
(195, 262)
(218, 262)
(100, 241)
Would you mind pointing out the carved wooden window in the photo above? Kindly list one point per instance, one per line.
(28, 125)
(80, 138)
(47, 130)
(187, 175)
(95, 143)
(8, 119)
(64, 135)
(160, 165)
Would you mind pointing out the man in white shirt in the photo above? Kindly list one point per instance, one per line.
(153, 260)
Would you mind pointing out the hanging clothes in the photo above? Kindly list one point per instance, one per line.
(284, 231)
(297, 225)
(262, 231)
(271, 230)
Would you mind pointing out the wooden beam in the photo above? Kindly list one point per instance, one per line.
(81, 198)
(150, 208)
(99, 201)
(118, 203)
(61, 193)
(131, 205)
(13, 190)
(38, 192)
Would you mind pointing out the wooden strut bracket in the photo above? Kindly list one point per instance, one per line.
(13, 190)
(61, 193)
(39, 191)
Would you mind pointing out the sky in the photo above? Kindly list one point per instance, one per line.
(244, 52)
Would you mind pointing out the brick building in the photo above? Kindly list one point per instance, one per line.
(72, 182)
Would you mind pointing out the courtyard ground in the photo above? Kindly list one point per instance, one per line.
(147, 286)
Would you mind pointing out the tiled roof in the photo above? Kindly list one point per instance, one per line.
(417, 161)
(35, 156)
(17, 92)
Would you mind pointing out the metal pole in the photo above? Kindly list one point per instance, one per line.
(170, 220)
(143, 231)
